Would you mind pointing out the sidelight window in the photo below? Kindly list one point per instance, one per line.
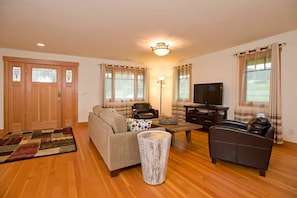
(68, 76)
(16, 74)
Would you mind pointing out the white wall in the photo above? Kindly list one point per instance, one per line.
(88, 78)
(157, 70)
(221, 67)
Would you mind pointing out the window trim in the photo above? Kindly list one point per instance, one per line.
(136, 71)
(242, 74)
(188, 68)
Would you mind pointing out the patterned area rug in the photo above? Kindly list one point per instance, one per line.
(37, 143)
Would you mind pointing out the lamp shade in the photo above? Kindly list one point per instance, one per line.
(161, 49)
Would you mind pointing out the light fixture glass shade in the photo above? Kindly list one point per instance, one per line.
(161, 83)
(161, 49)
(40, 44)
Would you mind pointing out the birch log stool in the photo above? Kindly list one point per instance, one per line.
(154, 149)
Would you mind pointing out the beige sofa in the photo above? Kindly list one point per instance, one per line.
(117, 146)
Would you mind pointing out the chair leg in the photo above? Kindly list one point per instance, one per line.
(114, 173)
(213, 160)
(262, 172)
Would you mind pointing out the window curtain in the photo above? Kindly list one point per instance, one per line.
(102, 92)
(245, 111)
(275, 111)
(146, 85)
(123, 106)
(178, 104)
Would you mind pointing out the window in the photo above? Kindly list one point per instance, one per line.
(44, 75)
(108, 85)
(68, 76)
(124, 83)
(184, 82)
(16, 74)
(255, 75)
(258, 79)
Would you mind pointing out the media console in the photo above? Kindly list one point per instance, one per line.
(205, 115)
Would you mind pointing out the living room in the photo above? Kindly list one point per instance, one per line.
(222, 62)
(216, 66)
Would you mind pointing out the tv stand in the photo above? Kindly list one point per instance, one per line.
(205, 115)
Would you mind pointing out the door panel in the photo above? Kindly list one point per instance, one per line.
(67, 95)
(43, 101)
(69, 99)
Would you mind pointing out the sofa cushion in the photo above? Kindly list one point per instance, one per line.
(138, 124)
(115, 120)
(97, 109)
(145, 115)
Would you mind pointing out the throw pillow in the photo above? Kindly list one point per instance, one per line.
(138, 124)
(258, 125)
(112, 110)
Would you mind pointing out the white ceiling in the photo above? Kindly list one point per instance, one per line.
(125, 29)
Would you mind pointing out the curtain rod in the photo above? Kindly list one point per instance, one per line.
(123, 66)
(181, 66)
(254, 50)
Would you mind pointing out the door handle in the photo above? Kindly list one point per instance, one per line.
(59, 94)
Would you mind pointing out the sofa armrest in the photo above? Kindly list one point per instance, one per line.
(155, 112)
(124, 150)
(99, 131)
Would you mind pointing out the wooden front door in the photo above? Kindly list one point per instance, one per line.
(39, 94)
(43, 96)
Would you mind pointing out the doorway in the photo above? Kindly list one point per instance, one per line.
(39, 94)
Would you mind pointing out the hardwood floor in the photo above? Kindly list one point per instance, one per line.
(190, 173)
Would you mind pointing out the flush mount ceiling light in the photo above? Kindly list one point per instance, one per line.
(161, 49)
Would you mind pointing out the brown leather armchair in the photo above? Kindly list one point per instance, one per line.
(244, 144)
(144, 111)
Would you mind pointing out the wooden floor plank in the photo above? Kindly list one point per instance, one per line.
(190, 173)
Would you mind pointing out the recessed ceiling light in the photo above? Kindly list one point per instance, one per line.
(40, 44)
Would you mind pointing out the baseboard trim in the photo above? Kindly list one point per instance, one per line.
(2, 133)
(82, 124)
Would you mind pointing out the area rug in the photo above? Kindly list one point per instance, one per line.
(37, 143)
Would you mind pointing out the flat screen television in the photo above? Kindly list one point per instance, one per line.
(208, 93)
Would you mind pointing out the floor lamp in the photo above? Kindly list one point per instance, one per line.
(161, 83)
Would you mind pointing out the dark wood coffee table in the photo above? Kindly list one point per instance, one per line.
(179, 127)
